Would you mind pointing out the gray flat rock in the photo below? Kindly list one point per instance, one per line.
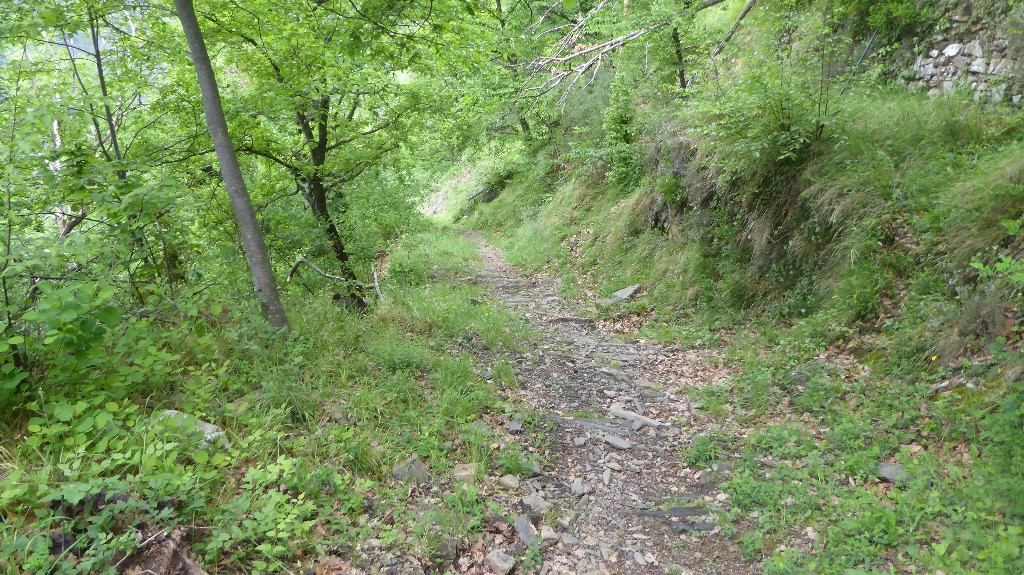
(500, 562)
(526, 530)
(626, 293)
(412, 470)
(534, 504)
(892, 472)
(617, 442)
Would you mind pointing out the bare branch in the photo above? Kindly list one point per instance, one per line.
(570, 59)
(301, 261)
(296, 192)
(72, 223)
(732, 31)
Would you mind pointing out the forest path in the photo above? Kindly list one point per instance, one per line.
(612, 422)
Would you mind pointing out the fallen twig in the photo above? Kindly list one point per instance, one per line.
(300, 261)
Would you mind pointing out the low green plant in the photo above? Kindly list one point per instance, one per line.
(703, 453)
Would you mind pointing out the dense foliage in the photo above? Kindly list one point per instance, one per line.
(755, 164)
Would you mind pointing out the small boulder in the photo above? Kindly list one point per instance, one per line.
(509, 481)
(525, 529)
(579, 487)
(178, 422)
(464, 473)
(533, 504)
(892, 472)
(626, 293)
(500, 562)
(412, 470)
(617, 442)
(515, 427)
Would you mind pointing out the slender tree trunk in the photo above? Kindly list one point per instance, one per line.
(318, 205)
(679, 57)
(245, 215)
(316, 189)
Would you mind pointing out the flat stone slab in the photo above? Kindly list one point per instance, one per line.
(892, 472)
(675, 512)
(619, 411)
(500, 562)
(617, 442)
(534, 504)
(627, 293)
(526, 530)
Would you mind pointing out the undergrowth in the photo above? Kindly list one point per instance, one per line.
(314, 422)
(884, 241)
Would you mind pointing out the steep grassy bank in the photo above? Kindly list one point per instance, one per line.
(314, 424)
(863, 275)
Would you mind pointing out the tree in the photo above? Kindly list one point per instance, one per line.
(241, 204)
(333, 96)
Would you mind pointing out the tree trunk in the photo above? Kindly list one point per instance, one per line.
(245, 215)
(316, 188)
(679, 57)
(317, 201)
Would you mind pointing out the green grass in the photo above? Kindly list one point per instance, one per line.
(896, 202)
(315, 420)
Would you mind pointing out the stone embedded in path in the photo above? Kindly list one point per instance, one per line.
(509, 481)
(535, 505)
(676, 512)
(617, 442)
(500, 562)
(639, 557)
(579, 487)
(412, 470)
(464, 473)
(548, 534)
(616, 375)
(525, 529)
(607, 476)
(515, 427)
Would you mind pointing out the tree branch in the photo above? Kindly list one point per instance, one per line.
(581, 58)
(721, 45)
(301, 261)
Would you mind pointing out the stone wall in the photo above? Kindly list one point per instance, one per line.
(983, 57)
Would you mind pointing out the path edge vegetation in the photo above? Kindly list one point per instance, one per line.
(760, 167)
(836, 239)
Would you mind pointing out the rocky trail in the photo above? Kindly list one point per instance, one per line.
(610, 417)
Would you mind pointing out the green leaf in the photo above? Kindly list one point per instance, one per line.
(64, 411)
(109, 316)
(102, 419)
(85, 425)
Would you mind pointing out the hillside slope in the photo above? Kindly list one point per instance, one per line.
(852, 246)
